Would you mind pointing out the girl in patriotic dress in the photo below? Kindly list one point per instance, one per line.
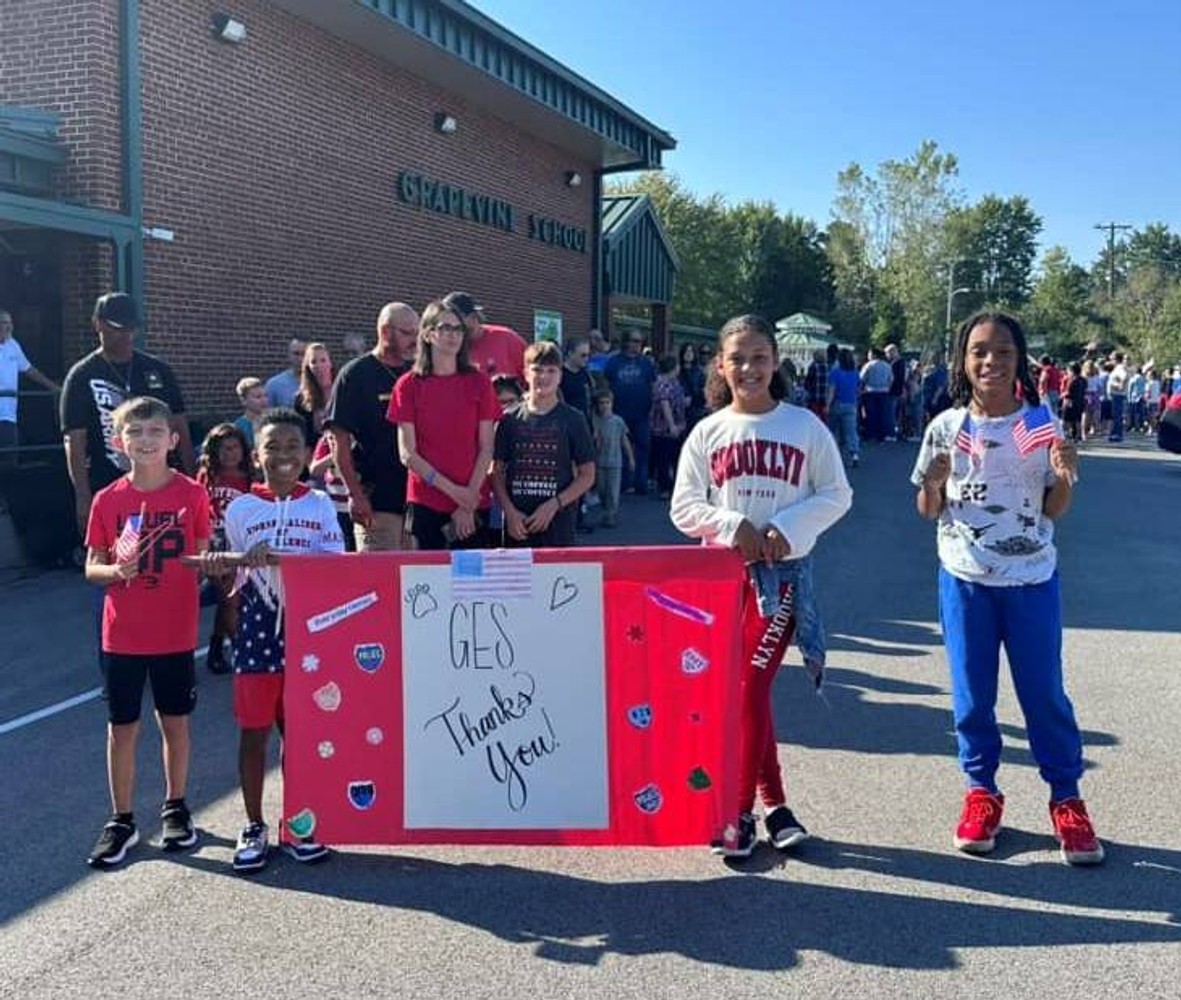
(225, 470)
(766, 479)
(995, 472)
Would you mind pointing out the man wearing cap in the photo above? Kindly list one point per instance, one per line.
(364, 443)
(96, 385)
(496, 350)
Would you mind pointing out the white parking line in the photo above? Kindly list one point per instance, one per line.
(79, 699)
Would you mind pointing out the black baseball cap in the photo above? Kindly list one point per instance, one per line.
(462, 304)
(117, 309)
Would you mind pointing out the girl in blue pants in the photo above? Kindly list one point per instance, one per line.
(996, 472)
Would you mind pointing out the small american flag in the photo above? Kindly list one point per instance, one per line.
(1035, 429)
(500, 574)
(969, 441)
(127, 544)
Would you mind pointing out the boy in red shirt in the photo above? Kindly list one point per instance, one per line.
(139, 527)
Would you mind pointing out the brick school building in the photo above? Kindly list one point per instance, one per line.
(256, 170)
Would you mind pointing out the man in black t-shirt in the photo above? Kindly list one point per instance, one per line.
(96, 385)
(364, 443)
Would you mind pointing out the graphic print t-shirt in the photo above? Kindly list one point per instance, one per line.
(540, 451)
(222, 490)
(156, 612)
(991, 529)
(302, 523)
(94, 388)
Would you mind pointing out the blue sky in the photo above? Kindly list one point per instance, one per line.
(1077, 105)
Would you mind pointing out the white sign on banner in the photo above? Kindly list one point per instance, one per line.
(504, 701)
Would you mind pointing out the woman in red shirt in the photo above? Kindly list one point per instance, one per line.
(446, 412)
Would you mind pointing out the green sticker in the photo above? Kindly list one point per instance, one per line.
(302, 824)
(699, 781)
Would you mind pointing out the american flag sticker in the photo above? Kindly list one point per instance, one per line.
(498, 574)
(1035, 429)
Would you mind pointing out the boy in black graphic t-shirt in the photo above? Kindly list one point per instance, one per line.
(544, 458)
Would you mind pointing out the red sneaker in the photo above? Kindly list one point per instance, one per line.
(980, 821)
(1075, 833)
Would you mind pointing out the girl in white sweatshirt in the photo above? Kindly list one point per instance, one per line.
(765, 478)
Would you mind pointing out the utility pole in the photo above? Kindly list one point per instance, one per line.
(1110, 228)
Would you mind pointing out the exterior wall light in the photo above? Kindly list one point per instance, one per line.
(226, 29)
(445, 123)
(573, 178)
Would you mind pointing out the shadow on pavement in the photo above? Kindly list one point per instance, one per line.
(844, 720)
(744, 921)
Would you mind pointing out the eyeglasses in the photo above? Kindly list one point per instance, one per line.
(450, 327)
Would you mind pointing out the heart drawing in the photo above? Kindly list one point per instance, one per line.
(563, 593)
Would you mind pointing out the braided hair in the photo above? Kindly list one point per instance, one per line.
(959, 388)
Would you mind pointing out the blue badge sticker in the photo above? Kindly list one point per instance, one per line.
(362, 794)
(640, 716)
(648, 799)
(369, 656)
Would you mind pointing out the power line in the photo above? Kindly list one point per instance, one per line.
(1111, 228)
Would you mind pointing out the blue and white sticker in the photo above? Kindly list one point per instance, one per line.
(369, 656)
(362, 794)
(649, 799)
(640, 716)
(693, 662)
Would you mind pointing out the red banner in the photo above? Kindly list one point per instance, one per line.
(579, 696)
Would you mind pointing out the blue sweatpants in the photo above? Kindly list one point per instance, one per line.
(1027, 620)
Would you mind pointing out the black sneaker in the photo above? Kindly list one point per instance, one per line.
(176, 827)
(783, 829)
(740, 843)
(113, 844)
(306, 851)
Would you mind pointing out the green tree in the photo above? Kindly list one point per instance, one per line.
(995, 243)
(899, 215)
(1060, 307)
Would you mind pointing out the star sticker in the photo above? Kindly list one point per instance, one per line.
(635, 633)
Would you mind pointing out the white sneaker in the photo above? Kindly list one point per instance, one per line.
(253, 847)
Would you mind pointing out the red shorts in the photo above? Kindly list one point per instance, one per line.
(258, 700)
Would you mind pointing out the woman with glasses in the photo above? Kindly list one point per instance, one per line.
(446, 411)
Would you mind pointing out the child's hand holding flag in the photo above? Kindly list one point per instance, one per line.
(1064, 460)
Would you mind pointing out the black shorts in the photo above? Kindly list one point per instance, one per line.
(173, 677)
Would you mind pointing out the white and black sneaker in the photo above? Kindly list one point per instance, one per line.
(783, 829)
(306, 851)
(117, 838)
(176, 826)
(739, 842)
(252, 849)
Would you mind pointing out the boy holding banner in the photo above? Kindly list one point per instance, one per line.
(279, 515)
(139, 528)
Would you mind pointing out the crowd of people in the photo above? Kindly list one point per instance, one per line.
(449, 432)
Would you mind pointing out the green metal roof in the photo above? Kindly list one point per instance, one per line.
(638, 260)
(802, 322)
